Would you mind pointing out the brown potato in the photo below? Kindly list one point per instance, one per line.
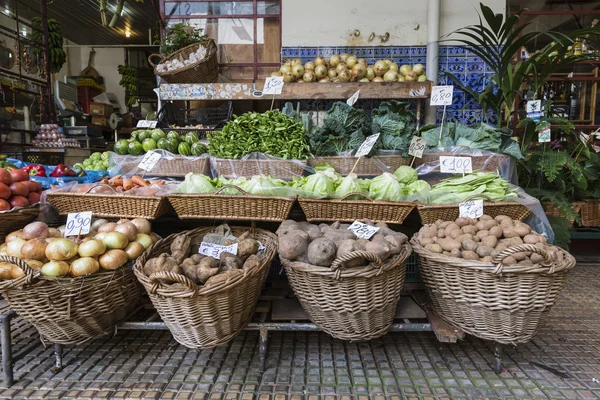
(536, 258)
(496, 231)
(483, 233)
(470, 229)
(483, 251)
(531, 239)
(469, 245)
(434, 248)
(462, 221)
(455, 253)
(489, 224)
(485, 217)
(449, 244)
(469, 255)
(515, 241)
(510, 233)
(489, 241)
(487, 259)
(441, 233)
(509, 261)
(520, 256)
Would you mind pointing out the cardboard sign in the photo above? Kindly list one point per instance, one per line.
(417, 146)
(363, 231)
(78, 223)
(456, 165)
(471, 209)
(353, 98)
(215, 250)
(145, 123)
(149, 161)
(367, 145)
(441, 95)
(273, 85)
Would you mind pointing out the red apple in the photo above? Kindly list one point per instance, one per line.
(5, 191)
(18, 175)
(19, 189)
(33, 197)
(18, 201)
(4, 206)
(5, 177)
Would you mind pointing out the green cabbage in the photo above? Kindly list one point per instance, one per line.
(386, 187)
(318, 185)
(351, 184)
(406, 175)
(417, 187)
(197, 183)
(262, 185)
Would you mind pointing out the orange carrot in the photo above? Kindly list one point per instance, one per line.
(138, 181)
(127, 184)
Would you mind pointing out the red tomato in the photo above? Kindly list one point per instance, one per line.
(5, 191)
(19, 189)
(5, 177)
(4, 205)
(33, 197)
(32, 186)
(18, 175)
(18, 201)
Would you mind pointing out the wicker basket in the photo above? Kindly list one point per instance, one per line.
(552, 210)
(280, 169)
(485, 163)
(175, 166)
(351, 210)
(206, 316)
(494, 302)
(356, 303)
(110, 205)
(430, 213)
(372, 166)
(16, 219)
(72, 310)
(244, 207)
(590, 213)
(202, 71)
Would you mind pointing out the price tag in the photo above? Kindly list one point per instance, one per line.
(146, 123)
(367, 145)
(149, 161)
(456, 165)
(545, 135)
(441, 95)
(273, 85)
(78, 223)
(363, 231)
(534, 109)
(417, 146)
(471, 209)
(353, 98)
(215, 250)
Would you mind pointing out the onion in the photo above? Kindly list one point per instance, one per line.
(320, 61)
(84, 266)
(34, 249)
(362, 61)
(341, 67)
(288, 63)
(325, 80)
(334, 61)
(377, 79)
(344, 57)
(55, 268)
(422, 78)
(309, 76)
(142, 225)
(401, 78)
(297, 70)
(115, 240)
(309, 65)
(394, 67)
(134, 250)
(34, 264)
(35, 230)
(351, 61)
(108, 227)
(390, 76)
(388, 62)
(16, 271)
(380, 68)
(410, 76)
(288, 77)
(276, 73)
(97, 224)
(419, 69)
(62, 230)
(14, 235)
(144, 240)
(285, 69)
(113, 259)
(92, 248)
(404, 69)
(100, 236)
(365, 80)
(344, 76)
(3, 249)
(359, 71)
(128, 229)
(370, 73)
(332, 73)
(320, 71)
(54, 233)
(6, 271)
(296, 61)
(61, 249)
(155, 238)
(13, 248)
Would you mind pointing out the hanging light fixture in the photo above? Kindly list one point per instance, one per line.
(127, 33)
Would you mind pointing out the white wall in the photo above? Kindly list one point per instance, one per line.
(330, 22)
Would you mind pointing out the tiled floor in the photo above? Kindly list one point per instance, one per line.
(151, 365)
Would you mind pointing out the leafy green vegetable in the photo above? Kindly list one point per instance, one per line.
(197, 183)
(351, 184)
(319, 185)
(406, 174)
(344, 129)
(386, 187)
(395, 124)
(459, 188)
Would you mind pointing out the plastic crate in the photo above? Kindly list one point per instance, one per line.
(412, 269)
(210, 118)
(45, 158)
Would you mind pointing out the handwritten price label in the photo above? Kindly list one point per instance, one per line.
(273, 85)
(456, 165)
(471, 209)
(367, 145)
(353, 98)
(417, 146)
(363, 231)
(78, 223)
(215, 250)
(441, 95)
(149, 161)
(545, 135)
(146, 123)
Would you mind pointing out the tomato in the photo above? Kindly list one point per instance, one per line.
(18, 175)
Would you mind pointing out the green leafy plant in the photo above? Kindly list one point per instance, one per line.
(179, 36)
(129, 81)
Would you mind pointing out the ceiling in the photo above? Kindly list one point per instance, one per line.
(80, 23)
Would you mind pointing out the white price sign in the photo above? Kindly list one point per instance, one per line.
(417, 146)
(471, 209)
(363, 231)
(78, 223)
(534, 109)
(456, 165)
(441, 95)
(367, 145)
(215, 250)
(353, 98)
(146, 123)
(273, 85)
(149, 161)
(545, 135)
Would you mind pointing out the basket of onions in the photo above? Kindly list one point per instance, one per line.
(73, 289)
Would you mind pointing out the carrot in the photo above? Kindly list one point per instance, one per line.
(138, 181)
(104, 182)
(115, 181)
(127, 184)
(160, 182)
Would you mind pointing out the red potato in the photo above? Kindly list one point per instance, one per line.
(4, 205)
(5, 191)
(19, 189)
(5, 177)
(18, 175)
(33, 197)
(18, 201)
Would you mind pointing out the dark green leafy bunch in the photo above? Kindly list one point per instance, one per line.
(344, 129)
(272, 133)
(179, 36)
(395, 123)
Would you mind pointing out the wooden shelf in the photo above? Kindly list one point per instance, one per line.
(297, 91)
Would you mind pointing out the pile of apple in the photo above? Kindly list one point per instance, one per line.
(16, 190)
(108, 246)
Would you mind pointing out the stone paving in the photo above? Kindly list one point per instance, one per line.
(151, 365)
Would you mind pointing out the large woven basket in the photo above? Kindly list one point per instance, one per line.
(206, 316)
(371, 166)
(505, 304)
(356, 303)
(242, 207)
(202, 71)
(552, 210)
(72, 310)
(351, 210)
(16, 219)
(175, 166)
(590, 213)
(280, 169)
(109, 205)
(486, 163)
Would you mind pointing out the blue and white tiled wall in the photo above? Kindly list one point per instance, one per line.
(462, 64)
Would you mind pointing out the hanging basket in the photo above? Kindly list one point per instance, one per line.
(202, 71)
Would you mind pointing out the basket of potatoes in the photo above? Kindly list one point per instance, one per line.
(495, 278)
(206, 297)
